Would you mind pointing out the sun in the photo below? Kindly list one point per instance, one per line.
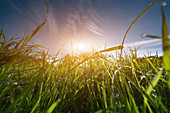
(80, 47)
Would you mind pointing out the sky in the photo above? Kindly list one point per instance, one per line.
(89, 22)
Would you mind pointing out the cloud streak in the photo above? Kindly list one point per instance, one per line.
(151, 42)
(15, 7)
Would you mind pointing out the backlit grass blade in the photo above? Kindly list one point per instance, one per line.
(150, 5)
(111, 49)
(1, 33)
(156, 70)
(4, 41)
(105, 50)
(18, 43)
(41, 25)
(166, 57)
(29, 36)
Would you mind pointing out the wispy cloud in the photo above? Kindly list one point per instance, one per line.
(15, 7)
(152, 46)
(151, 42)
(95, 31)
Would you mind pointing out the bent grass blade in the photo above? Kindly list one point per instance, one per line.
(144, 11)
(165, 45)
(101, 51)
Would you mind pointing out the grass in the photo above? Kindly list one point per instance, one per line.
(84, 82)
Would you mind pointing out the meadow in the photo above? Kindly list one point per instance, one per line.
(84, 82)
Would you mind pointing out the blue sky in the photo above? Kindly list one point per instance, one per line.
(91, 22)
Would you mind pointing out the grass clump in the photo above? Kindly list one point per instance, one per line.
(85, 82)
(100, 84)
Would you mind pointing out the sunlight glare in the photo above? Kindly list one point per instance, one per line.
(81, 46)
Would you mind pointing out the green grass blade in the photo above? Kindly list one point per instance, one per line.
(1, 33)
(105, 50)
(166, 57)
(156, 70)
(150, 5)
(131, 98)
(149, 90)
(3, 93)
(38, 99)
(53, 106)
(104, 94)
(24, 94)
(133, 69)
(154, 82)
(91, 98)
(111, 49)
(29, 37)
